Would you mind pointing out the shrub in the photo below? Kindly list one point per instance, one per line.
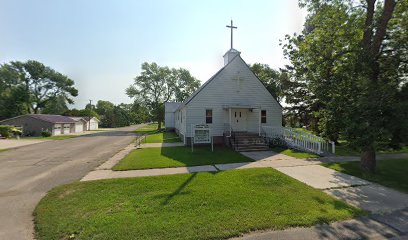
(8, 131)
(46, 133)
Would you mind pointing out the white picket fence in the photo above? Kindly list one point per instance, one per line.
(298, 139)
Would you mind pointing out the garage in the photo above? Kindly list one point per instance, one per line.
(79, 127)
(57, 129)
(67, 128)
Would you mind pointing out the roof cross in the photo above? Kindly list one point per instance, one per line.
(232, 28)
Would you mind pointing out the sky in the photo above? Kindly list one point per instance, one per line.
(101, 44)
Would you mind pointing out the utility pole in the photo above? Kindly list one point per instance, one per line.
(89, 117)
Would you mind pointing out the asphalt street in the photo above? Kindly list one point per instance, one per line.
(29, 172)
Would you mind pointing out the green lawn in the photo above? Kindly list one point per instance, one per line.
(344, 149)
(294, 153)
(162, 137)
(390, 173)
(62, 137)
(404, 149)
(3, 150)
(184, 206)
(148, 129)
(178, 157)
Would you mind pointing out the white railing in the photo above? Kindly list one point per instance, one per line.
(227, 129)
(297, 139)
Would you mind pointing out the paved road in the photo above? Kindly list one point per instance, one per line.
(27, 173)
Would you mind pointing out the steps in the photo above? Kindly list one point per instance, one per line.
(245, 142)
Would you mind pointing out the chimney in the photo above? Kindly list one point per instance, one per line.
(228, 56)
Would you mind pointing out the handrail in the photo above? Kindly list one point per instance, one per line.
(300, 140)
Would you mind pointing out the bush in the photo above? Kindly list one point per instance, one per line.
(9, 131)
(46, 133)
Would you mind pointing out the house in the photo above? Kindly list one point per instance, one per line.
(34, 124)
(80, 124)
(92, 123)
(234, 100)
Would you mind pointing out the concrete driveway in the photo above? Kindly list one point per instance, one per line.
(14, 143)
(27, 173)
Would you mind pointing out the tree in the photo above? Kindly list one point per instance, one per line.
(33, 86)
(270, 78)
(341, 60)
(58, 106)
(81, 113)
(157, 85)
(185, 84)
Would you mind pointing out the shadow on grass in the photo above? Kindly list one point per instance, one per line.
(179, 189)
(203, 155)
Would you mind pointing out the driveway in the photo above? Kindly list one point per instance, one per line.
(27, 173)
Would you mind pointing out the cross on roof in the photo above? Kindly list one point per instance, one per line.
(232, 28)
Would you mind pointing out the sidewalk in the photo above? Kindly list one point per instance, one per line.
(361, 228)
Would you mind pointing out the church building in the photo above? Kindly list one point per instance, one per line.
(233, 100)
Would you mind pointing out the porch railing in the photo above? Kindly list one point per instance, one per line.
(227, 130)
(297, 139)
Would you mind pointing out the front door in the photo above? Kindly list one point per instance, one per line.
(239, 119)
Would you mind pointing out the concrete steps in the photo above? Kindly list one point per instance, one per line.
(246, 142)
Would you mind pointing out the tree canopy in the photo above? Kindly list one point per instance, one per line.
(30, 87)
(348, 70)
(156, 85)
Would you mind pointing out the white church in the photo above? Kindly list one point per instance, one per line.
(232, 101)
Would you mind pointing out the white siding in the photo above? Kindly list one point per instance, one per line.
(169, 120)
(224, 90)
(79, 127)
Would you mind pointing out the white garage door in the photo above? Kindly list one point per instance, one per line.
(57, 129)
(67, 128)
(79, 127)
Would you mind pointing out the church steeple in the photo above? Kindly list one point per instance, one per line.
(228, 56)
(232, 29)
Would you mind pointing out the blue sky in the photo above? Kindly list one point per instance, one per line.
(101, 44)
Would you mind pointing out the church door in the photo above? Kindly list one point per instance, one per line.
(239, 119)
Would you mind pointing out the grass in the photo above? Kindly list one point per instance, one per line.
(3, 150)
(184, 206)
(178, 157)
(390, 173)
(294, 153)
(62, 137)
(344, 149)
(404, 149)
(148, 129)
(305, 130)
(162, 137)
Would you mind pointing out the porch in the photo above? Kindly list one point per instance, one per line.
(243, 118)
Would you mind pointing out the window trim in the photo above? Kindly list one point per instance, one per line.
(263, 116)
(208, 119)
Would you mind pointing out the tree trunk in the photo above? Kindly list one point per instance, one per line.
(159, 121)
(368, 161)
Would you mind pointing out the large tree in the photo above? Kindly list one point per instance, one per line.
(29, 87)
(342, 62)
(156, 85)
(270, 78)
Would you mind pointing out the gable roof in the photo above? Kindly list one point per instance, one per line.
(205, 84)
(215, 75)
(52, 118)
(77, 119)
(171, 106)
